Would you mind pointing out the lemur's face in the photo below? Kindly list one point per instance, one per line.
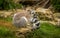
(32, 13)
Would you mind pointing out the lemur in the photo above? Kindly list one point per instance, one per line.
(24, 18)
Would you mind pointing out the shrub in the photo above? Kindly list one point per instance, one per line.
(56, 4)
(8, 4)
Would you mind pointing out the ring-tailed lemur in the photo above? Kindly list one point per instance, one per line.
(24, 18)
(34, 20)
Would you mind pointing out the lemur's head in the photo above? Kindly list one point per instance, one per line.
(32, 12)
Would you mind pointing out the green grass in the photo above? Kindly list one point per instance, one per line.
(46, 31)
(8, 19)
(6, 33)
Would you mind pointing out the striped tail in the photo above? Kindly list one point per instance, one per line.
(35, 21)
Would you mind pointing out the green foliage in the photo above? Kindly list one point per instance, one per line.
(46, 30)
(8, 4)
(6, 33)
(56, 4)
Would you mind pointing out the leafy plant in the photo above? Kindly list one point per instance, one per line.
(56, 4)
(8, 4)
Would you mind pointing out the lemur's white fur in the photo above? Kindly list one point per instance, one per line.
(25, 20)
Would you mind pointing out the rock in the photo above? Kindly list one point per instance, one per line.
(57, 15)
(5, 14)
(58, 22)
(45, 14)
